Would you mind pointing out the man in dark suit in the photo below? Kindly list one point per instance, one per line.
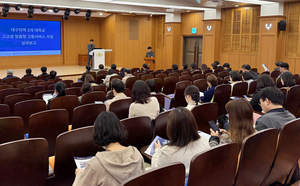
(9, 75)
(247, 68)
(150, 53)
(90, 47)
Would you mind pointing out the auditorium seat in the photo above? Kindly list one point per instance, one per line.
(185, 78)
(292, 102)
(206, 72)
(27, 79)
(172, 174)
(161, 76)
(91, 73)
(278, 83)
(201, 84)
(99, 79)
(127, 92)
(43, 77)
(220, 80)
(297, 78)
(284, 90)
(130, 81)
(160, 125)
(239, 89)
(197, 72)
(4, 110)
(147, 76)
(121, 107)
(170, 84)
(177, 71)
(215, 166)
(49, 124)
(74, 91)
(142, 124)
(265, 72)
(221, 97)
(149, 71)
(68, 102)
(14, 84)
(54, 80)
(51, 87)
(257, 155)
(252, 87)
(179, 98)
(24, 162)
(46, 84)
(133, 70)
(161, 98)
(92, 97)
(176, 74)
(25, 109)
(7, 92)
(11, 100)
(140, 74)
(23, 86)
(189, 73)
(218, 70)
(11, 129)
(223, 74)
(113, 77)
(287, 153)
(78, 143)
(198, 76)
(10, 80)
(203, 114)
(136, 72)
(39, 95)
(102, 72)
(254, 70)
(67, 83)
(154, 73)
(226, 79)
(5, 87)
(99, 88)
(85, 115)
(76, 84)
(36, 82)
(275, 73)
(32, 90)
(1, 80)
(159, 83)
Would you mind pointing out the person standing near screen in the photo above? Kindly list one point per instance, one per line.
(150, 53)
(90, 47)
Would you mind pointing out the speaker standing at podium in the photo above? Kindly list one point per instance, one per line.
(150, 53)
(90, 47)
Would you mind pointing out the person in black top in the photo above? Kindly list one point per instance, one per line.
(226, 67)
(145, 68)
(28, 72)
(52, 75)
(122, 72)
(44, 72)
(218, 65)
(174, 67)
(88, 68)
(184, 67)
(277, 64)
(247, 68)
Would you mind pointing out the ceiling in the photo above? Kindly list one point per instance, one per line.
(103, 8)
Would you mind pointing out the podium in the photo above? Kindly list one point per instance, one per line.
(99, 57)
(149, 60)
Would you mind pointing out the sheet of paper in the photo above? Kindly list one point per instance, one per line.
(203, 134)
(98, 102)
(201, 94)
(150, 150)
(46, 97)
(81, 161)
(255, 117)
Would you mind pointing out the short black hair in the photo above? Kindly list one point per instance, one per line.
(246, 66)
(145, 66)
(110, 71)
(108, 129)
(28, 71)
(60, 87)
(88, 67)
(140, 92)
(44, 69)
(227, 65)
(185, 66)
(151, 84)
(193, 65)
(113, 66)
(92, 40)
(278, 63)
(118, 85)
(149, 47)
(127, 70)
(264, 81)
(235, 75)
(284, 65)
(288, 79)
(194, 92)
(247, 76)
(101, 66)
(174, 67)
(217, 62)
(273, 94)
(53, 73)
(214, 65)
(122, 70)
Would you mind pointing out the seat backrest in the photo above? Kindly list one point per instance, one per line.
(275, 73)
(11, 100)
(240, 89)
(206, 72)
(8, 91)
(36, 82)
(24, 85)
(85, 115)
(46, 84)
(170, 84)
(292, 102)
(278, 83)
(198, 76)
(161, 76)
(127, 92)
(10, 80)
(218, 70)
(130, 81)
(284, 90)
(252, 87)
(176, 74)
(43, 77)
(25, 109)
(32, 90)
(160, 125)
(201, 84)
(102, 72)
(287, 153)
(5, 87)
(214, 167)
(161, 98)
(51, 87)
(134, 70)
(39, 95)
(92, 97)
(203, 114)
(76, 91)
(221, 97)
(11, 129)
(223, 74)
(175, 176)
(67, 82)
(76, 84)
(296, 77)
(91, 73)
(48, 124)
(257, 155)
(254, 69)
(99, 78)
(4, 110)
(65, 102)
(186, 73)
(139, 139)
(29, 78)
(14, 84)
(159, 83)
(147, 76)
(54, 80)
(197, 72)
(140, 74)
(78, 143)
(113, 77)
(121, 107)
(99, 88)
(185, 78)
(179, 99)
(24, 162)
(265, 72)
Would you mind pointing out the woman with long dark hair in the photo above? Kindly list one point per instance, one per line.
(59, 91)
(191, 94)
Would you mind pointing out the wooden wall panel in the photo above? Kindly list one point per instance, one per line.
(244, 59)
(297, 66)
(234, 61)
(208, 48)
(254, 62)
(192, 20)
(267, 54)
(168, 46)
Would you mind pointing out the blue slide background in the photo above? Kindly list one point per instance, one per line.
(31, 36)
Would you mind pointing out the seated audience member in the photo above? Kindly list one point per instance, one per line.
(262, 82)
(247, 68)
(214, 66)
(212, 83)
(218, 65)
(174, 67)
(142, 102)
(277, 64)
(118, 87)
(271, 100)
(240, 124)
(246, 77)
(117, 163)
(287, 79)
(59, 91)
(204, 67)
(44, 72)
(52, 75)
(152, 85)
(192, 96)
(184, 67)
(128, 74)
(10, 74)
(122, 72)
(194, 67)
(183, 145)
(28, 72)
(101, 67)
(88, 68)
(284, 67)
(110, 73)
(113, 66)
(86, 88)
(234, 77)
(226, 67)
(89, 78)
(145, 68)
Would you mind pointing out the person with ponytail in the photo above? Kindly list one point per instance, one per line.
(212, 83)
(192, 96)
(59, 91)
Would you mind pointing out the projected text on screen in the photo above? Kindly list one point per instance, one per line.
(29, 37)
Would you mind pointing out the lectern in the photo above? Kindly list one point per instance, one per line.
(99, 57)
(149, 62)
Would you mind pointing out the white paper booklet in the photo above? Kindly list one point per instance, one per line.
(46, 97)
(81, 161)
(203, 134)
(265, 67)
(151, 148)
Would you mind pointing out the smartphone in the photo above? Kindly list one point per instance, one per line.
(215, 128)
(247, 97)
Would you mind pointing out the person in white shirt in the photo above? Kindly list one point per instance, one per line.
(127, 75)
(192, 96)
(118, 89)
(110, 73)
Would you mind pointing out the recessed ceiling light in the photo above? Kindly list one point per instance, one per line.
(100, 14)
(236, 5)
(50, 10)
(130, 12)
(21, 8)
(188, 11)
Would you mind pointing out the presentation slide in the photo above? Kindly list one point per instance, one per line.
(29, 37)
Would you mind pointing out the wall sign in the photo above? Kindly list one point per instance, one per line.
(169, 29)
(268, 26)
(209, 27)
(194, 30)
